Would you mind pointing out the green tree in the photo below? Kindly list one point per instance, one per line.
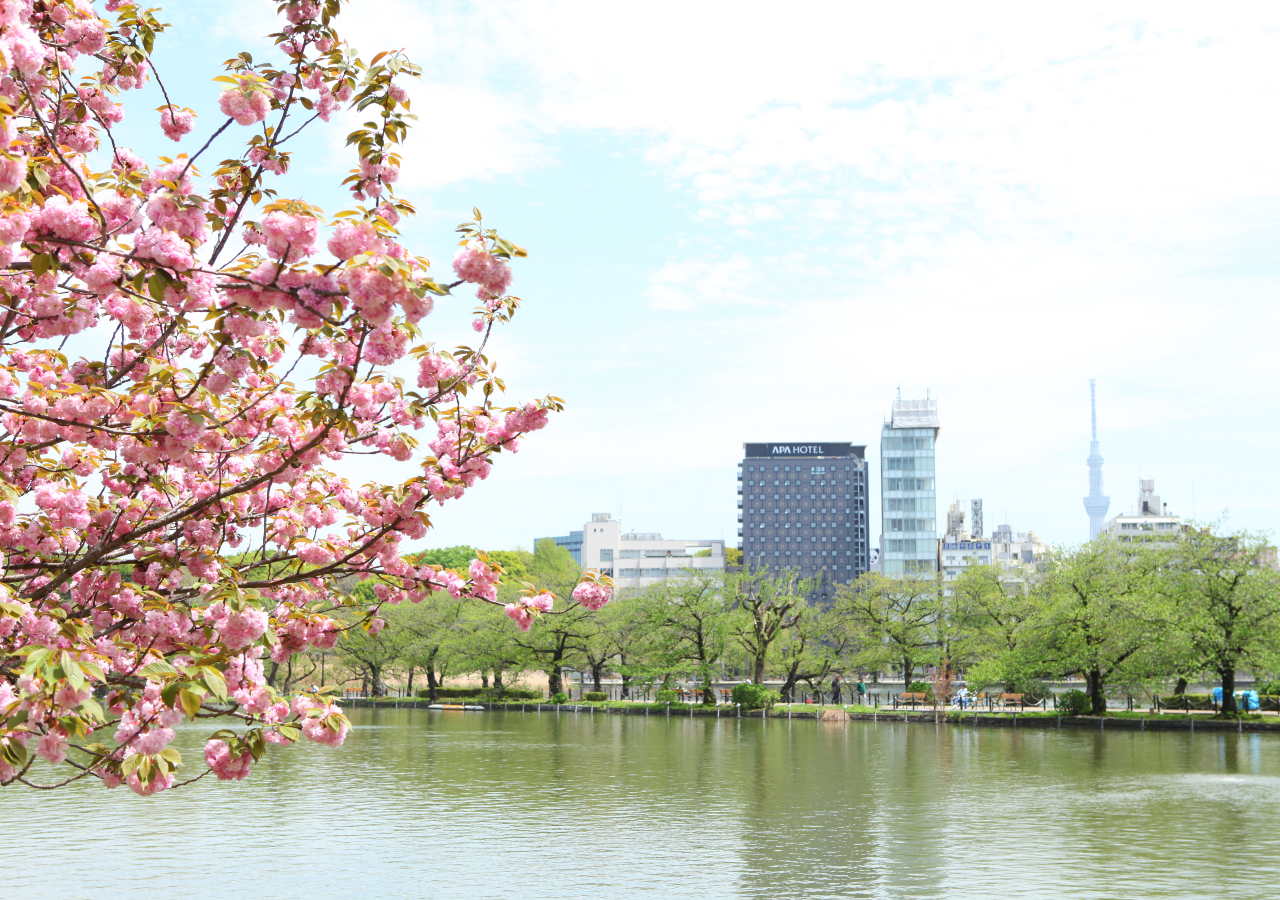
(487, 642)
(691, 622)
(820, 644)
(896, 619)
(429, 634)
(515, 563)
(988, 610)
(768, 605)
(1226, 595)
(370, 655)
(457, 558)
(1102, 617)
(558, 639)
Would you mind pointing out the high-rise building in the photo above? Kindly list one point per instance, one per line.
(1095, 504)
(804, 507)
(908, 498)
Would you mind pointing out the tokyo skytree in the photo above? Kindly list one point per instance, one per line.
(1096, 503)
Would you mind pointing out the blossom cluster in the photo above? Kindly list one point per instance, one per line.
(170, 516)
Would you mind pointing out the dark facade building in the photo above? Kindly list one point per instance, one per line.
(804, 507)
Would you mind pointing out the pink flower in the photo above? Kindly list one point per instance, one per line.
(290, 238)
(65, 219)
(53, 747)
(315, 554)
(474, 263)
(591, 595)
(240, 629)
(225, 766)
(184, 426)
(350, 239)
(245, 103)
(159, 782)
(322, 722)
(166, 248)
(520, 615)
(176, 122)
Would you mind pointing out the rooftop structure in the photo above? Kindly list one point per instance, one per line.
(1149, 520)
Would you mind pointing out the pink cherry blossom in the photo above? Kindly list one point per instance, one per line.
(247, 103)
(176, 122)
(217, 755)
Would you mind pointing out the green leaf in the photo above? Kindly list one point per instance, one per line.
(216, 683)
(170, 693)
(157, 668)
(190, 702)
(156, 285)
(14, 753)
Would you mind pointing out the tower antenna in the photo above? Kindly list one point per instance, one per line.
(1096, 503)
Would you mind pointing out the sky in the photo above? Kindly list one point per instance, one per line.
(747, 223)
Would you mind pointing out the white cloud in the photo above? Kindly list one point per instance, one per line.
(995, 201)
(693, 284)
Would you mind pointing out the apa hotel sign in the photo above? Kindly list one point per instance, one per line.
(796, 450)
(786, 451)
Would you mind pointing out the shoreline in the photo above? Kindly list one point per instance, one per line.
(1163, 722)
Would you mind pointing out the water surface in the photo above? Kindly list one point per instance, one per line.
(508, 805)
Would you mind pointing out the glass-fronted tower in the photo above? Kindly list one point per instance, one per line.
(804, 507)
(908, 492)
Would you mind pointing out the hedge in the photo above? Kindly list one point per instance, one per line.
(480, 693)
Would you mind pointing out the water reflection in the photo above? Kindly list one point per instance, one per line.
(532, 806)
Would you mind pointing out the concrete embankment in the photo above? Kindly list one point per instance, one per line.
(1167, 722)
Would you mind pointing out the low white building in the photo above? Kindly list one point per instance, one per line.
(636, 559)
(1149, 520)
(1017, 551)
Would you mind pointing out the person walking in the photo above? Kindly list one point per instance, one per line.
(835, 690)
(862, 691)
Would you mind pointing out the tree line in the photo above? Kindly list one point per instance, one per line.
(1126, 617)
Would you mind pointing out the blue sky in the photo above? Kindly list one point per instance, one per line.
(747, 225)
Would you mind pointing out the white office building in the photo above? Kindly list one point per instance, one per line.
(1020, 552)
(636, 559)
(1149, 520)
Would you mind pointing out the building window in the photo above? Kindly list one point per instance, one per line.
(606, 555)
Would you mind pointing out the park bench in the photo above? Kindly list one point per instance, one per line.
(1007, 700)
(911, 698)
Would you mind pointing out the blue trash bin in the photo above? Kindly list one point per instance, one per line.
(1217, 695)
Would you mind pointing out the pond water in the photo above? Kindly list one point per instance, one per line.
(508, 805)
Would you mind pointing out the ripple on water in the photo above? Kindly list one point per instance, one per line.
(526, 806)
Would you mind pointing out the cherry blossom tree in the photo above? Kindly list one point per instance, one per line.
(186, 360)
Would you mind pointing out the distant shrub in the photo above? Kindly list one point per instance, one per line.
(754, 696)
(595, 696)
(1267, 687)
(559, 697)
(1074, 703)
(666, 696)
(490, 694)
(511, 694)
(920, 687)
